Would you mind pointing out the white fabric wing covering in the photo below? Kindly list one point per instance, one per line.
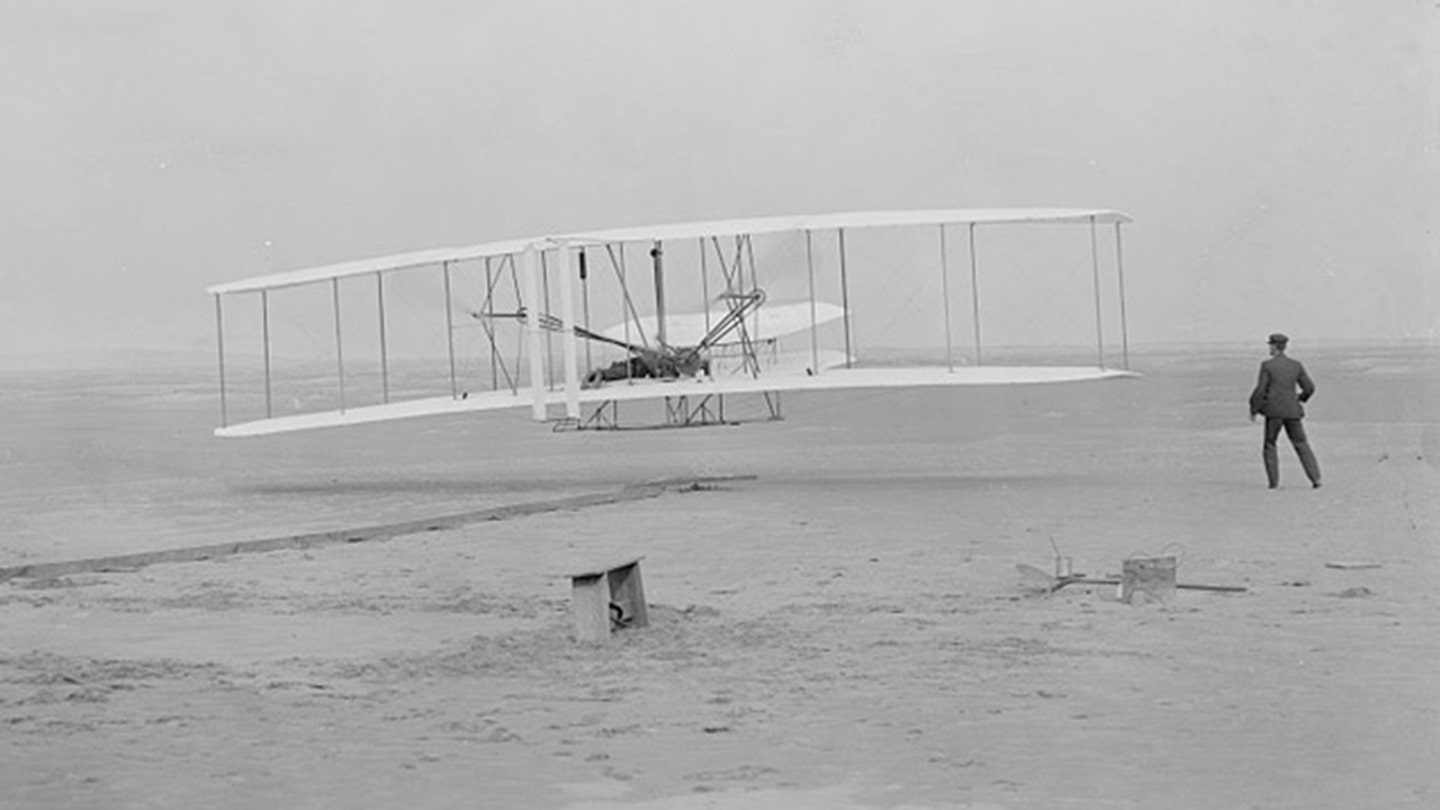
(830, 380)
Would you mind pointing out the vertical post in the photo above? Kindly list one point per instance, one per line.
(1120, 273)
(450, 331)
(585, 301)
(384, 349)
(750, 256)
(705, 283)
(265, 339)
(1095, 273)
(489, 313)
(530, 268)
(567, 315)
(814, 329)
(975, 296)
(220, 347)
(339, 344)
(845, 297)
(945, 293)
(657, 254)
(549, 335)
(755, 314)
(626, 304)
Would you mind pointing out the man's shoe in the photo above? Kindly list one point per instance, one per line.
(1315, 485)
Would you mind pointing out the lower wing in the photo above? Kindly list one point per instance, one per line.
(832, 379)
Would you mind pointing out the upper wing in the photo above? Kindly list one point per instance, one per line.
(690, 230)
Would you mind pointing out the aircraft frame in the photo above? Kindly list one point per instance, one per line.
(726, 252)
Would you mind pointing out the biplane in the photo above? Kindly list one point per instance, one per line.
(735, 308)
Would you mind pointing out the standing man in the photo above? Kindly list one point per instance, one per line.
(1275, 396)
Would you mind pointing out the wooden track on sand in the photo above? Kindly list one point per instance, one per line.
(386, 531)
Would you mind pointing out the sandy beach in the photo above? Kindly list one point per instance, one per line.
(837, 620)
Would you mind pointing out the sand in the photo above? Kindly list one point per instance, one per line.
(840, 624)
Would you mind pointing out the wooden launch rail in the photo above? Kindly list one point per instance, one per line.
(130, 562)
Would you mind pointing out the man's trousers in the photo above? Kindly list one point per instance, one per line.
(1295, 429)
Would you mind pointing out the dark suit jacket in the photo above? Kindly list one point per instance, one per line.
(1275, 393)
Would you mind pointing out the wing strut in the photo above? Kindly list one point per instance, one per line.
(1120, 273)
(585, 298)
(567, 313)
(945, 294)
(220, 343)
(622, 271)
(544, 304)
(975, 296)
(1095, 274)
(450, 331)
(814, 330)
(705, 282)
(339, 346)
(755, 287)
(845, 298)
(657, 255)
(265, 338)
(384, 350)
(531, 270)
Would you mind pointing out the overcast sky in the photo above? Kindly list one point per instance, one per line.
(1279, 157)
